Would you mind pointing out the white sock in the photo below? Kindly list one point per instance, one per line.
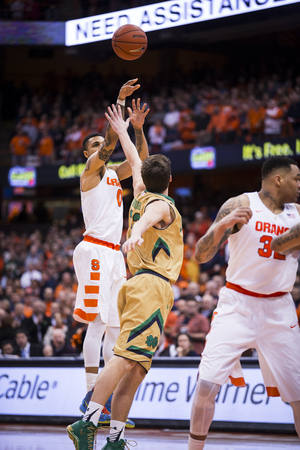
(92, 413)
(195, 444)
(90, 379)
(117, 429)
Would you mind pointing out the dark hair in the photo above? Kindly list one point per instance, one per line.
(190, 297)
(7, 341)
(182, 334)
(275, 163)
(156, 172)
(89, 136)
(21, 330)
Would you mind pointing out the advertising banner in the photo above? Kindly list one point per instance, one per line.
(58, 391)
(183, 161)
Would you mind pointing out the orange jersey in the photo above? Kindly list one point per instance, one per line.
(46, 146)
(19, 145)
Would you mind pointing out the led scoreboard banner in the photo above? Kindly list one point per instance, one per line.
(160, 16)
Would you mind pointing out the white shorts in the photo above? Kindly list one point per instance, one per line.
(100, 273)
(270, 326)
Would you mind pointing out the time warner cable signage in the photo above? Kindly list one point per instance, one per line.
(160, 16)
(164, 394)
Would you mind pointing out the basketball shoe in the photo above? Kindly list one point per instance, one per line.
(82, 434)
(118, 445)
(105, 416)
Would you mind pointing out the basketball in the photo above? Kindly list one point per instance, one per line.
(129, 42)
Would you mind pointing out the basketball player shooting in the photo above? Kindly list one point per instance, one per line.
(98, 262)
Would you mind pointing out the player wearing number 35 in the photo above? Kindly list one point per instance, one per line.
(255, 308)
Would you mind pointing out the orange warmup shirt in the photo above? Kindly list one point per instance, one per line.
(20, 144)
(46, 146)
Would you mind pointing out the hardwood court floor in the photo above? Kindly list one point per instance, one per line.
(39, 437)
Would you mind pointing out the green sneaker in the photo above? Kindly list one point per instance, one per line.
(118, 445)
(82, 434)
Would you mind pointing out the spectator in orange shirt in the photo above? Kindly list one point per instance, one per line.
(48, 297)
(28, 299)
(255, 117)
(187, 129)
(46, 148)
(18, 146)
(66, 285)
(232, 125)
(190, 269)
(214, 125)
(169, 324)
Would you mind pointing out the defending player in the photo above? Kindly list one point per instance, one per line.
(98, 261)
(255, 309)
(155, 246)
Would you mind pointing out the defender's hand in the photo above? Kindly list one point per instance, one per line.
(138, 114)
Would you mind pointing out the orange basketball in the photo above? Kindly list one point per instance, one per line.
(129, 42)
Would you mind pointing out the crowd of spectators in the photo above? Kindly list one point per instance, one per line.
(38, 290)
(30, 9)
(59, 10)
(51, 122)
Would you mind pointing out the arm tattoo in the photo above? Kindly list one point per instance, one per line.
(228, 207)
(293, 233)
(106, 148)
(111, 137)
(138, 140)
(206, 244)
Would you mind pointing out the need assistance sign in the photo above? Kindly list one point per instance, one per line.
(160, 16)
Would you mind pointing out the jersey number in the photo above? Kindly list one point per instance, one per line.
(266, 251)
(119, 197)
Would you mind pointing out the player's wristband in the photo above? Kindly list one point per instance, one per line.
(121, 102)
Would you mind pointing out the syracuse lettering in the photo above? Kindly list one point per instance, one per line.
(270, 228)
(113, 182)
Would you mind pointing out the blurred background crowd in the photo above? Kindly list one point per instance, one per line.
(38, 290)
(185, 111)
(217, 99)
(60, 9)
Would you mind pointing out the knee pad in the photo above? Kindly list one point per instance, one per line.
(203, 407)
